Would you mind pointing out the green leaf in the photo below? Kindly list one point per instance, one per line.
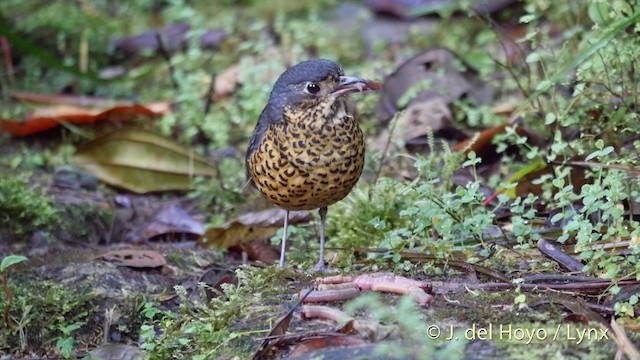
(617, 28)
(10, 261)
(525, 19)
(533, 57)
(599, 12)
(141, 161)
(549, 119)
(543, 86)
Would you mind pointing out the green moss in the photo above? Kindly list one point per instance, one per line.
(225, 325)
(41, 310)
(85, 221)
(24, 209)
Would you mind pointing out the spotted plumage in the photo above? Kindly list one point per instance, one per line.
(307, 151)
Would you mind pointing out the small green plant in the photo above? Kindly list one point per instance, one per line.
(201, 329)
(41, 311)
(8, 262)
(413, 329)
(65, 343)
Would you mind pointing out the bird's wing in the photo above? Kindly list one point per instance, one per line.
(264, 121)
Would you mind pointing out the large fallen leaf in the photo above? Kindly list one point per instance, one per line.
(141, 161)
(54, 110)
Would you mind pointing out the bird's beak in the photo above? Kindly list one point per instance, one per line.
(351, 84)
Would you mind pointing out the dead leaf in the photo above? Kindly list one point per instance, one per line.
(141, 161)
(227, 81)
(235, 234)
(135, 258)
(435, 73)
(258, 251)
(71, 100)
(46, 118)
(417, 121)
(173, 220)
(250, 227)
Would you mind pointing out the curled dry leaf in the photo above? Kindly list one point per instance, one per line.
(173, 220)
(52, 110)
(45, 118)
(135, 258)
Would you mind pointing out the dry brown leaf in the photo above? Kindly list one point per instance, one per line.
(250, 227)
(235, 234)
(227, 81)
(135, 258)
(437, 75)
(258, 251)
(47, 117)
(172, 220)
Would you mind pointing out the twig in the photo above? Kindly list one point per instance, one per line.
(209, 98)
(8, 64)
(7, 306)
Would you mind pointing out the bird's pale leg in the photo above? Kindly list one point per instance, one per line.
(323, 220)
(284, 239)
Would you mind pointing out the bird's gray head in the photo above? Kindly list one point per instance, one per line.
(311, 82)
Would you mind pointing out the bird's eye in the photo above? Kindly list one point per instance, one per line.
(313, 88)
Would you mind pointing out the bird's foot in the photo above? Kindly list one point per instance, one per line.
(322, 268)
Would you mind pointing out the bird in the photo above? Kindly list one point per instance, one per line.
(307, 151)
